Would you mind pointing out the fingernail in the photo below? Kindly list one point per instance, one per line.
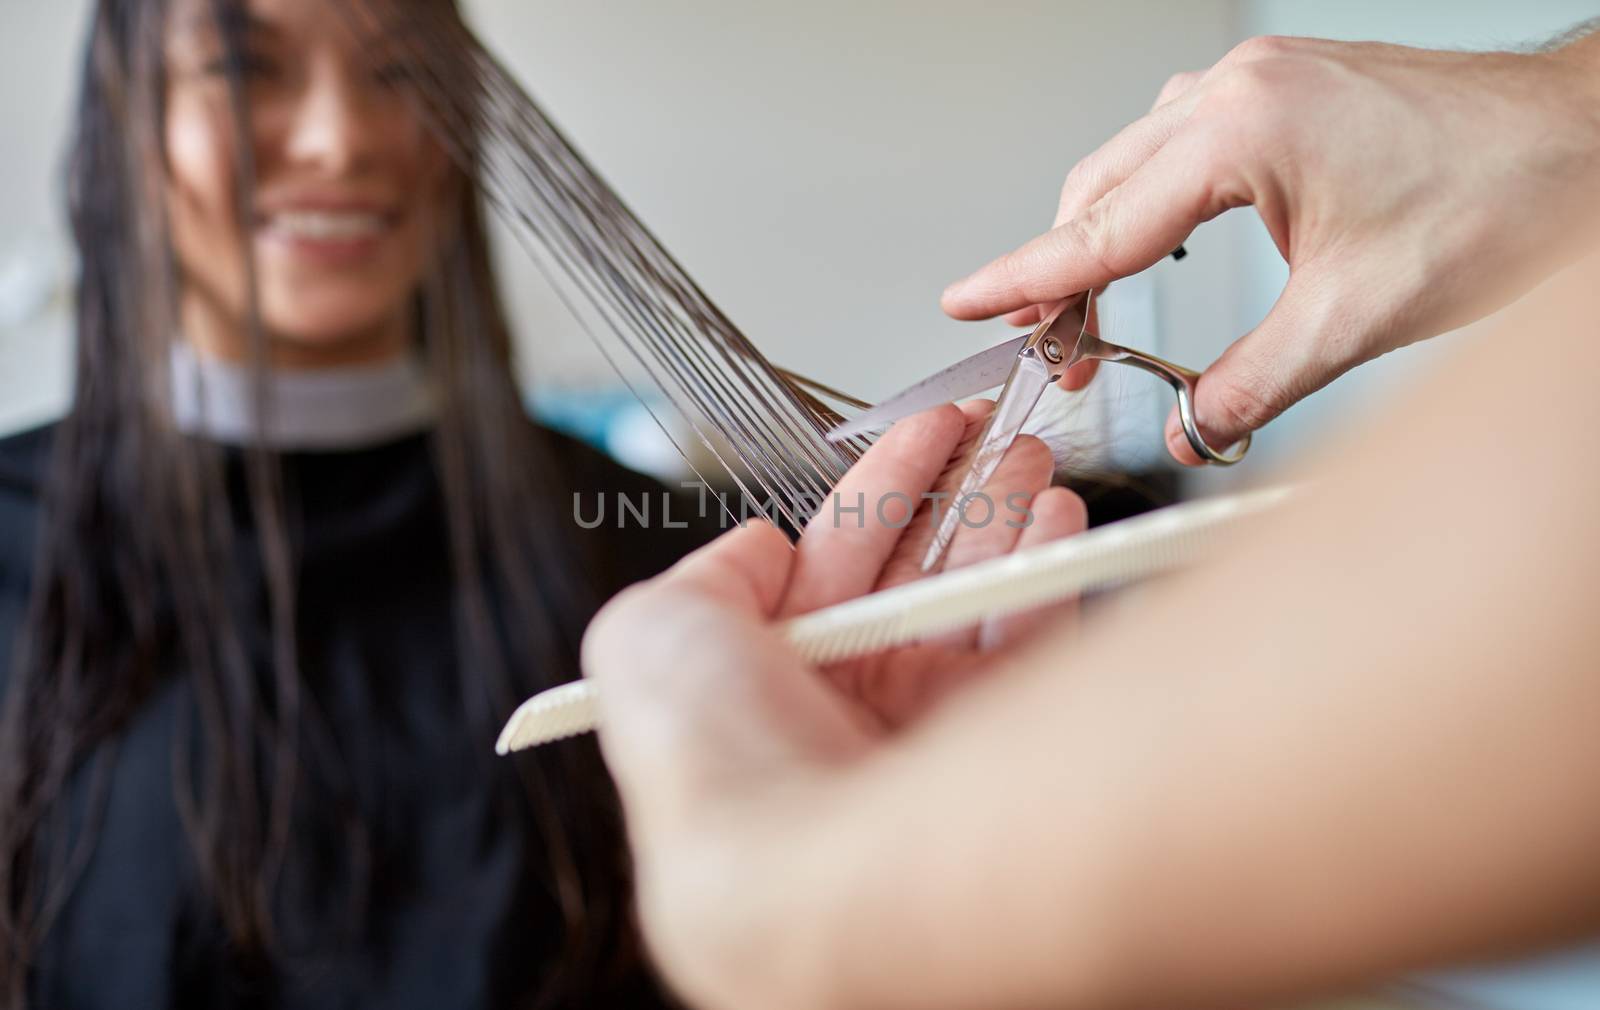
(1175, 440)
(1178, 444)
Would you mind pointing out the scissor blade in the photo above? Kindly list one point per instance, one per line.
(967, 377)
(1028, 381)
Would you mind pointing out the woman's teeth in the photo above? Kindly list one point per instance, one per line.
(328, 226)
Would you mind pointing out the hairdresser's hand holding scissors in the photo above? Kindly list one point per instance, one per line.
(710, 716)
(1410, 191)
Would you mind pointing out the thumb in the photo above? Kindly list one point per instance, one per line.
(669, 708)
(746, 569)
(742, 573)
(1260, 375)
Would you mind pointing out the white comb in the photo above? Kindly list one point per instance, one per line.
(1117, 553)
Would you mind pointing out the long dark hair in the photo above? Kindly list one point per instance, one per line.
(138, 560)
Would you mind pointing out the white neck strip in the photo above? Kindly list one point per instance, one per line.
(351, 407)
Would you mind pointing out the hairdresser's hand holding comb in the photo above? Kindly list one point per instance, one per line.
(710, 717)
(1410, 191)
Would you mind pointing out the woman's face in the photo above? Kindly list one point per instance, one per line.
(350, 188)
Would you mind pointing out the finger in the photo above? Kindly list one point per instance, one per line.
(679, 723)
(1080, 375)
(992, 520)
(1121, 156)
(1290, 355)
(1055, 512)
(738, 580)
(743, 571)
(746, 569)
(1177, 86)
(902, 691)
(904, 564)
(1032, 315)
(1189, 181)
(846, 545)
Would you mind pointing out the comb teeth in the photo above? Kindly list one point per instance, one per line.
(1109, 556)
(548, 716)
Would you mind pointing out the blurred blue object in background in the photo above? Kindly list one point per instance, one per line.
(612, 420)
(1566, 981)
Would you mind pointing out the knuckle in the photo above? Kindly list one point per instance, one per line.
(1260, 47)
(1077, 179)
(1250, 102)
(1083, 178)
(1089, 233)
(1246, 89)
(1273, 86)
(1025, 272)
(1176, 85)
(1012, 272)
(1033, 459)
(1245, 404)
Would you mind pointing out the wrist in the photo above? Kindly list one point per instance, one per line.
(923, 905)
(1561, 97)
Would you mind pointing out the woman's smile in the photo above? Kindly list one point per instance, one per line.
(326, 231)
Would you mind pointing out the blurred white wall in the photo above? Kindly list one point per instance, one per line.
(39, 42)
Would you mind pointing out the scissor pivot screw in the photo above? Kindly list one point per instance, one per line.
(1052, 350)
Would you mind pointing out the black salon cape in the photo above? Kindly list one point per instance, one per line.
(455, 922)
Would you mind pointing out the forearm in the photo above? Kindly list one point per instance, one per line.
(1365, 744)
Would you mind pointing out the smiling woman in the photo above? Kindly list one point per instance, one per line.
(270, 586)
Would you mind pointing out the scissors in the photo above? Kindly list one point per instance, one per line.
(1027, 365)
